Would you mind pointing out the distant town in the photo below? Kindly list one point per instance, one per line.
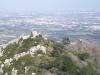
(85, 25)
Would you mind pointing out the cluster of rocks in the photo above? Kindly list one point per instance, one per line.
(31, 51)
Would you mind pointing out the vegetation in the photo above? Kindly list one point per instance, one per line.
(58, 60)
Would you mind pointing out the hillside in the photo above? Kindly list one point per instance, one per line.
(36, 55)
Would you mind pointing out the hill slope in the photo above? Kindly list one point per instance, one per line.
(36, 55)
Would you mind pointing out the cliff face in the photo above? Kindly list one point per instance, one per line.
(36, 55)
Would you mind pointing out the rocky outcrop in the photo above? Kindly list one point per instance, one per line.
(36, 55)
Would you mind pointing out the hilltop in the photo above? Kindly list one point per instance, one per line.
(35, 54)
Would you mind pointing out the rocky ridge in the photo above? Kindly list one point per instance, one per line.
(34, 54)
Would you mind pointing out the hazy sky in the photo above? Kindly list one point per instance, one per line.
(48, 5)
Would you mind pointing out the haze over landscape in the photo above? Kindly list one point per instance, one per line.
(46, 6)
(49, 37)
(81, 17)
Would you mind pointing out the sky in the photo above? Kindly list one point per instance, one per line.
(48, 5)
